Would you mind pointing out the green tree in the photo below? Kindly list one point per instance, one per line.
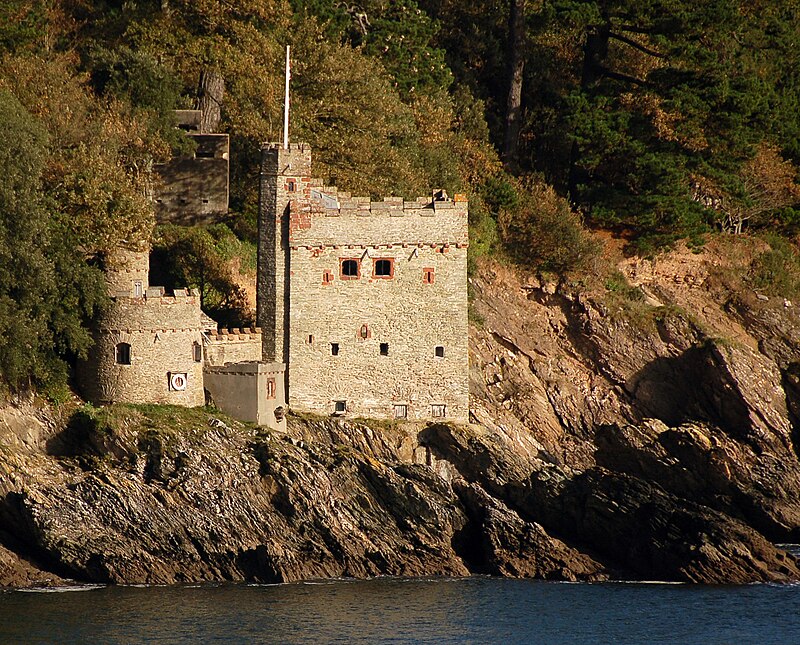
(47, 291)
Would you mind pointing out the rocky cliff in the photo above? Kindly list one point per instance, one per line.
(641, 431)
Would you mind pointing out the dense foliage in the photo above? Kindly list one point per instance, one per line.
(666, 118)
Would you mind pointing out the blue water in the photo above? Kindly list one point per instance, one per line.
(473, 610)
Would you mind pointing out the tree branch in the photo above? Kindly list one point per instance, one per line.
(635, 45)
(617, 76)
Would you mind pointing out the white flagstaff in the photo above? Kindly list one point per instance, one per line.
(286, 104)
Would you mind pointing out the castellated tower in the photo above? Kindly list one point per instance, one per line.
(148, 344)
(365, 302)
(285, 180)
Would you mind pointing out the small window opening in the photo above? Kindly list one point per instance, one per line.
(438, 410)
(271, 388)
(384, 349)
(137, 289)
(400, 411)
(205, 201)
(350, 269)
(197, 352)
(427, 276)
(310, 339)
(383, 269)
(204, 154)
(291, 185)
(439, 351)
(327, 277)
(122, 354)
(340, 407)
(364, 332)
(334, 349)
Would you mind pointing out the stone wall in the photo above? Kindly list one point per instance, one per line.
(411, 316)
(195, 190)
(251, 391)
(127, 271)
(164, 338)
(232, 346)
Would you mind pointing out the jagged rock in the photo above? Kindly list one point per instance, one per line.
(650, 439)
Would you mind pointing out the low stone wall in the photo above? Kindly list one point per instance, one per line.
(232, 346)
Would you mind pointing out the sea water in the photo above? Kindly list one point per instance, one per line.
(391, 610)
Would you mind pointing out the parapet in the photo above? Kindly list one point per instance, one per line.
(235, 334)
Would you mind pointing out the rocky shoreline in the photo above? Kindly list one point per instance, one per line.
(658, 444)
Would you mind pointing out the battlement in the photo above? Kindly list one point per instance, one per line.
(234, 334)
(293, 146)
(159, 296)
(331, 217)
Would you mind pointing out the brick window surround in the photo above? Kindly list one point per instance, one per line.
(350, 269)
(428, 275)
(327, 277)
(383, 268)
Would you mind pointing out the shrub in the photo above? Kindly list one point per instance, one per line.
(542, 231)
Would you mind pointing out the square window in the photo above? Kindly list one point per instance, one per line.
(350, 269)
(339, 407)
(428, 276)
(334, 349)
(384, 349)
(439, 351)
(383, 268)
(438, 410)
(400, 411)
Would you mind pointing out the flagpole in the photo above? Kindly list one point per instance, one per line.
(286, 104)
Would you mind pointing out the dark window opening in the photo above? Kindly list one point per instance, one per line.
(291, 185)
(383, 269)
(384, 349)
(204, 154)
(350, 269)
(327, 277)
(340, 407)
(439, 351)
(197, 352)
(427, 276)
(205, 201)
(310, 339)
(334, 349)
(122, 354)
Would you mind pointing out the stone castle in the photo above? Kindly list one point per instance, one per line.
(361, 310)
